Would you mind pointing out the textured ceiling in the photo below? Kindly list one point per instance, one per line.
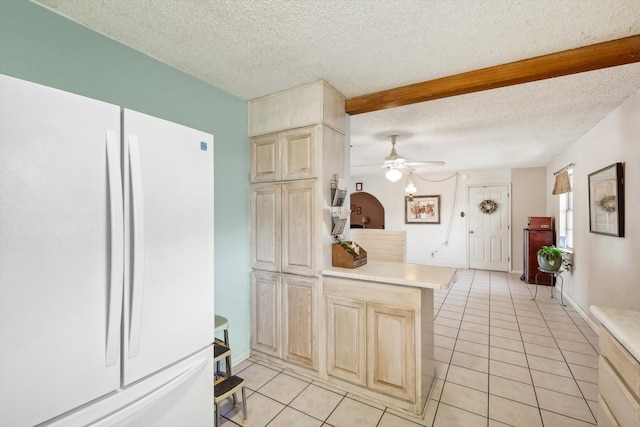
(254, 48)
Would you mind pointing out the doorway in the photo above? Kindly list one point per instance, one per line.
(366, 211)
(489, 228)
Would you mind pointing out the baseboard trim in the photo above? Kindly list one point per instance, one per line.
(581, 312)
(238, 358)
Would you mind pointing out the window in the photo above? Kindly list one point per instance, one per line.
(565, 217)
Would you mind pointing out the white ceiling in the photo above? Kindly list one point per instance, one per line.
(251, 48)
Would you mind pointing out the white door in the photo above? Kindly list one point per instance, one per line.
(489, 241)
(168, 243)
(60, 251)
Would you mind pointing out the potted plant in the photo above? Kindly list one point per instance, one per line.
(550, 258)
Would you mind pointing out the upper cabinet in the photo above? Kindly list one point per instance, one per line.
(305, 105)
(284, 236)
(295, 135)
(265, 158)
(285, 156)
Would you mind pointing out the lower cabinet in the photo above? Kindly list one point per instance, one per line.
(284, 317)
(298, 325)
(347, 339)
(618, 383)
(372, 344)
(369, 338)
(266, 336)
(391, 352)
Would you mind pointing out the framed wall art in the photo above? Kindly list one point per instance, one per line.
(606, 201)
(422, 210)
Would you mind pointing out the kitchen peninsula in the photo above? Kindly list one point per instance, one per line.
(379, 330)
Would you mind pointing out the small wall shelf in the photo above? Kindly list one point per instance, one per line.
(339, 217)
(337, 194)
(337, 225)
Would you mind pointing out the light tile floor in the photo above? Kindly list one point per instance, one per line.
(501, 360)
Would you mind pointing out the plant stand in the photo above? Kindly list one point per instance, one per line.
(555, 274)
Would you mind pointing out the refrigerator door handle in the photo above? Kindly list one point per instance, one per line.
(137, 288)
(117, 247)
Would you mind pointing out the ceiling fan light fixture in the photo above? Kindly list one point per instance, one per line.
(393, 175)
(411, 187)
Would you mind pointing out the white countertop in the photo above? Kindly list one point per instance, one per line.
(624, 325)
(415, 275)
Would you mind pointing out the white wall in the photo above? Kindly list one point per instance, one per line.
(425, 239)
(528, 198)
(607, 269)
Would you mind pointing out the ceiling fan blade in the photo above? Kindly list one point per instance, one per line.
(384, 166)
(369, 166)
(427, 162)
(405, 166)
(396, 161)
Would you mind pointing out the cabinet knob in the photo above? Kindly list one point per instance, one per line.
(471, 232)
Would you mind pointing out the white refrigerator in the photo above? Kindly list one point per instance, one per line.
(106, 264)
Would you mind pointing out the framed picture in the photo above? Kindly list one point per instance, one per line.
(606, 201)
(358, 186)
(422, 210)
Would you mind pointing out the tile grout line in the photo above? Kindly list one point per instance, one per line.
(286, 405)
(489, 361)
(444, 380)
(539, 312)
(524, 348)
(568, 365)
(489, 369)
(564, 359)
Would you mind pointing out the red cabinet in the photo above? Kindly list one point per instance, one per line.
(534, 240)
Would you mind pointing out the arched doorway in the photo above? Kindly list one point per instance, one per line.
(366, 211)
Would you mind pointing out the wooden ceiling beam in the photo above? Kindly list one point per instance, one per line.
(587, 58)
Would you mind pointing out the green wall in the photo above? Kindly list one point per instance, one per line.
(39, 45)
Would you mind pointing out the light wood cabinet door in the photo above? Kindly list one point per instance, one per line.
(285, 156)
(265, 158)
(299, 321)
(347, 339)
(298, 153)
(266, 226)
(391, 360)
(266, 309)
(299, 239)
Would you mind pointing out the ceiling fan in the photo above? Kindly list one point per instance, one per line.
(395, 163)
